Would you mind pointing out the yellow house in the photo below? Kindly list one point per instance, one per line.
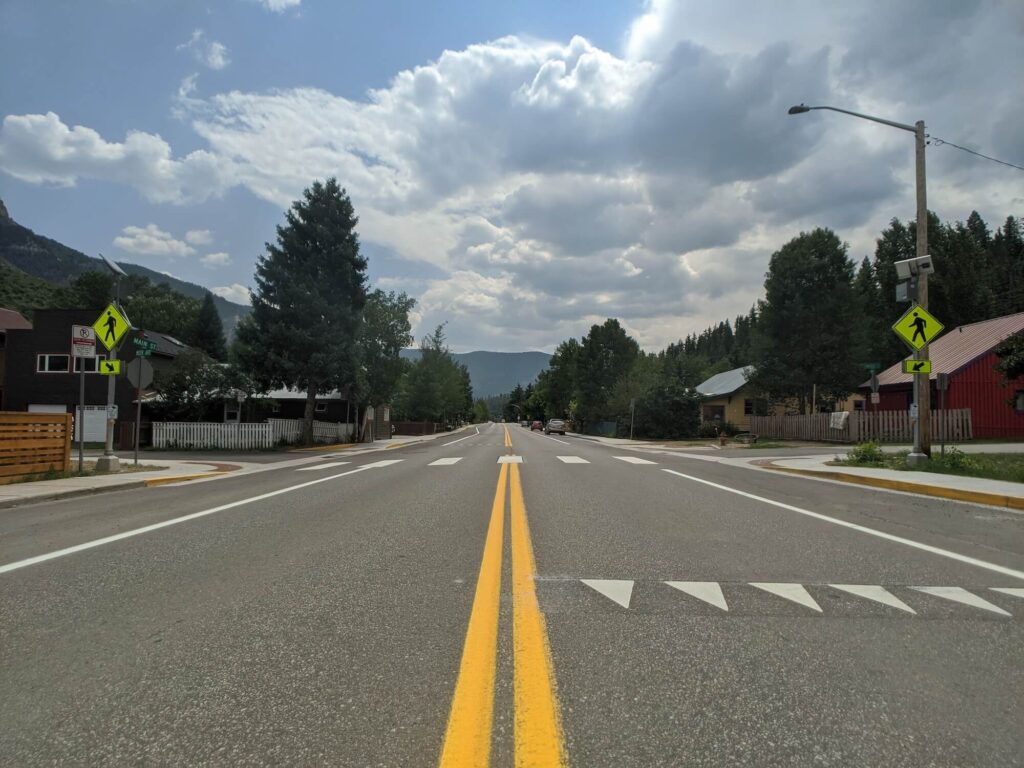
(728, 398)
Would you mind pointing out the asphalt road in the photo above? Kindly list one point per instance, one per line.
(394, 611)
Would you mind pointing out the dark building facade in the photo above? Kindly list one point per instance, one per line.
(41, 374)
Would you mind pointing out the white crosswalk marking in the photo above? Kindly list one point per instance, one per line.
(572, 460)
(961, 595)
(322, 466)
(708, 591)
(507, 459)
(876, 593)
(617, 590)
(1015, 591)
(794, 592)
(634, 460)
(447, 462)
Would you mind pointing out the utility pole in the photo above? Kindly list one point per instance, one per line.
(922, 384)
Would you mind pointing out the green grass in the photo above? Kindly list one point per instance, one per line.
(991, 466)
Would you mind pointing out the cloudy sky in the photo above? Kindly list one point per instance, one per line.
(523, 169)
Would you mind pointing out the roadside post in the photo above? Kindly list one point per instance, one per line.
(632, 411)
(140, 374)
(83, 347)
(942, 382)
(110, 328)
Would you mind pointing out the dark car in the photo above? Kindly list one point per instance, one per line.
(537, 425)
(555, 425)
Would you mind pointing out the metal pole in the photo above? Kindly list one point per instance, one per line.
(81, 410)
(632, 411)
(138, 415)
(109, 462)
(922, 384)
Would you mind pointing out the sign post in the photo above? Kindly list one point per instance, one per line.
(140, 373)
(110, 328)
(83, 346)
(917, 328)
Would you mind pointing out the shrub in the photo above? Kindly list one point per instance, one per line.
(865, 453)
(957, 460)
(707, 429)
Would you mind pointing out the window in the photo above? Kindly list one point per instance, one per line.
(858, 405)
(53, 363)
(1018, 400)
(748, 407)
(275, 407)
(321, 408)
(91, 363)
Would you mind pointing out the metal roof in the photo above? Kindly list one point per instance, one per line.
(13, 321)
(725, 383)
(958, 348)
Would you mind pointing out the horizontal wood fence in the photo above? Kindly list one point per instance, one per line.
(415, 427)
(244, 437)
(863, 426)
(33, 443)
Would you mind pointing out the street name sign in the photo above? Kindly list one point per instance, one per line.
(110, 326)
(140, 372)
(83, 341)
(110, 367)
(917, 327)
(917, 366)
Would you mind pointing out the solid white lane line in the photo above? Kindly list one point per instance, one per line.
(708, 591)
(962, 596)
(572, 460)
(445, 462)
(617, 590)
(323, 466)
(633, 460)
(185, 518)
(453, 442)
(876, 593)
(862, 528)
(549, 437)
(794, 592)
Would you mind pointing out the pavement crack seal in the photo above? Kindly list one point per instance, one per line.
(539, 740)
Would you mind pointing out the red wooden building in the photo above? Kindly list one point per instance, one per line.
(966, 354)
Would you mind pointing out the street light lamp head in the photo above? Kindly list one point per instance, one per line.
(113, 266)
(799, 109)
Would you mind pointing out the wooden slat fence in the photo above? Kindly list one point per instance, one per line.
(32, 443)
(862, 426)
(290, 431)
(170, 434)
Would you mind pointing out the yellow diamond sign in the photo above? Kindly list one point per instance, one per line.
(110, 367)
(917, 327)
(110, 327)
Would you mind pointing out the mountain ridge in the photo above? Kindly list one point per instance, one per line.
(496, 373)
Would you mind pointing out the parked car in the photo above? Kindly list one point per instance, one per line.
(537, 425)
(524, 423)
(555, 425)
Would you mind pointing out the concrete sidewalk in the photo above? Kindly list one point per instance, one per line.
(185, 470)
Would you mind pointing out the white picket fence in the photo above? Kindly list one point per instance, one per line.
(173, 434)
(290, 431)
(186, 434)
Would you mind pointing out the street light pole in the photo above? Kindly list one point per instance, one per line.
(922, 384)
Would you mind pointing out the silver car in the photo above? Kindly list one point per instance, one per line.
(555, 425)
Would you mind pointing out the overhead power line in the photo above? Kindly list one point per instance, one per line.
(939, 142)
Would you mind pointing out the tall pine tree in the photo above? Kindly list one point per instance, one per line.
(309, 299)
(209, 331)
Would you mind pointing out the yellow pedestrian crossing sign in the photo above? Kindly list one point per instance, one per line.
(110, 327)
(917, 327)
(110, 367)
(917, 366)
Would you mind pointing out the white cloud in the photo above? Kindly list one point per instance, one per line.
(235, 292)
(210, 53)
(280, 6)
(553, 184)
(150, 240)
(214, 260)
(198, 237)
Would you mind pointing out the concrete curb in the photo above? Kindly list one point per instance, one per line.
(58, 495)
(155, 481)
(955, 494)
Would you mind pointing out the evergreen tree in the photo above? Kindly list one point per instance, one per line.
(309, 299)
(607, 353)
(209, 332)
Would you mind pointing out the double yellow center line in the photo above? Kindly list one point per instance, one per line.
(538, 732)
